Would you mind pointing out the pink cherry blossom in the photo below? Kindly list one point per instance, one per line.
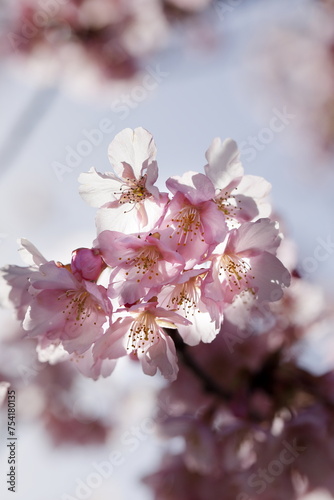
(240, 197)
(246, 261)
(140, 331)
(140, 263)
(193, 217)
(63, 308)
(129, 199)
(184, 295)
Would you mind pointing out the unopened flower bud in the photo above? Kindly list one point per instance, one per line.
(87, 264)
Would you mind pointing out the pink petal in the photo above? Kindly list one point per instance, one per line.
(161, 355)
(261, 235)
(52, 277)
(112, 344)
(269, 277)
(194, 186)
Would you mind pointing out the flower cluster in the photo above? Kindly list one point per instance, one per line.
(160, 261)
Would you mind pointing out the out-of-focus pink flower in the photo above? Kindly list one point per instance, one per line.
(140, 331)
(201, 450)
(15, 282)
(141, 263)
(65, 429)
(240, 197)
(65, 309)
(311, 432)
(89, 43)
(129, 199)
(102, 39)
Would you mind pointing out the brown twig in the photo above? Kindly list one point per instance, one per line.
(209, 384)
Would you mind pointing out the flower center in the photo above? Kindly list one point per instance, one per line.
(134, 191)
(185, 296)
(236, 271)
(144, 262)
(143, 333)
(78, 306)
(228, 204)
(188, 226)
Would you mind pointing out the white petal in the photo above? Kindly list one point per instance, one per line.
(97, 189)
(223, 162)
(122, 218)
(203, 329)
(135, 148)
(29, 253)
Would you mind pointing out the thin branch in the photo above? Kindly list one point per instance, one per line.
(208, 383)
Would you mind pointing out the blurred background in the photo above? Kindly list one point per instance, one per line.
(75, 73)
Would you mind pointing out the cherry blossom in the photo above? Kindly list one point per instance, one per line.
(141, 331)
(240, 197)
(159, 261)
(185, 296)
(201, 296)
(63, 308)
(139, 263)
(193, 217)
(246, 261)
(129, 199)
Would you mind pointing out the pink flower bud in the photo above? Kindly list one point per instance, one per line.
(87, 264)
